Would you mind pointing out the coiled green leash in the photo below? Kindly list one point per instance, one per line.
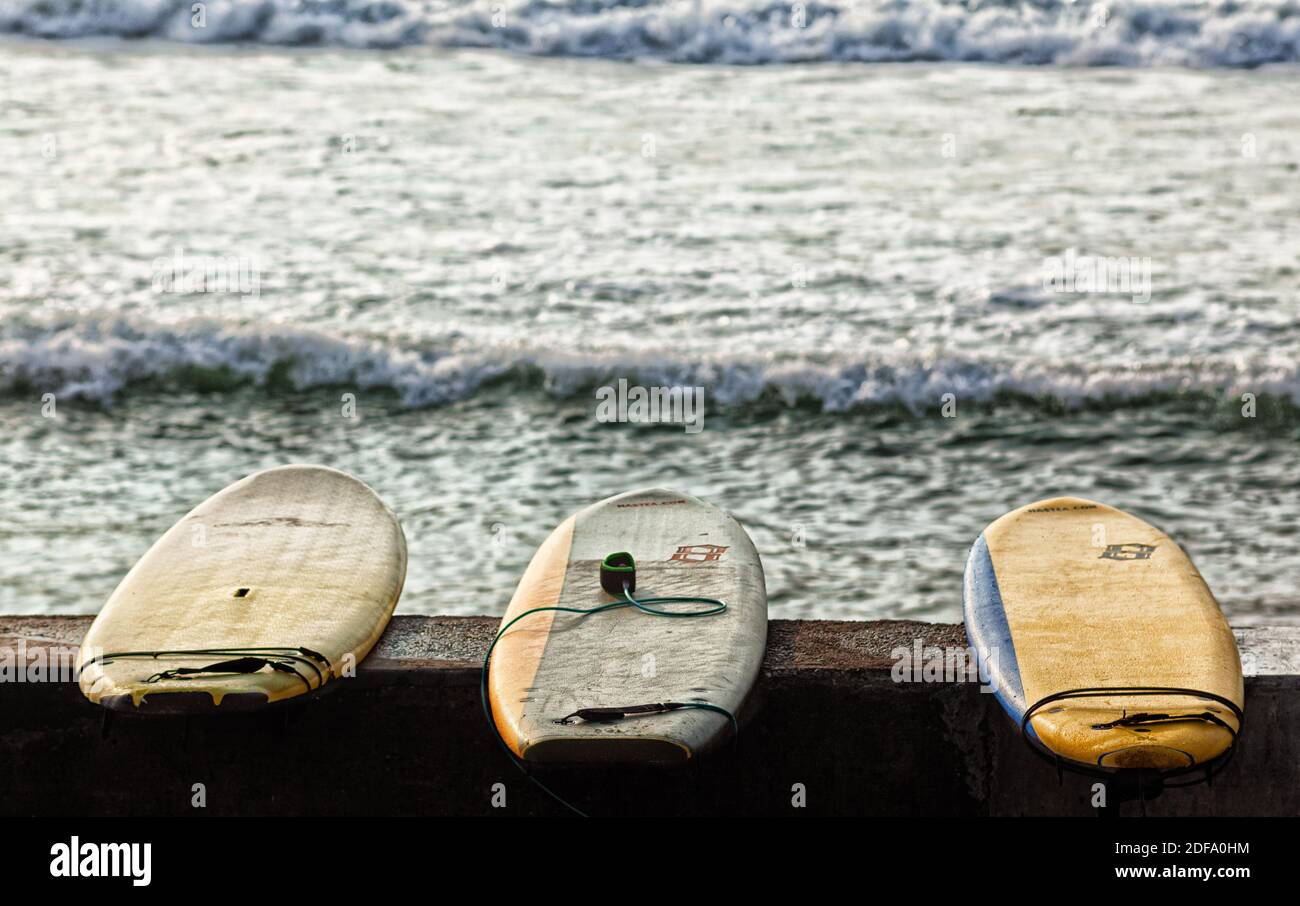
(618, 578)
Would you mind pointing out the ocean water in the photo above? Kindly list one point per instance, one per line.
(872, 253)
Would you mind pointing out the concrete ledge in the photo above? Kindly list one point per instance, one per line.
(407, 736)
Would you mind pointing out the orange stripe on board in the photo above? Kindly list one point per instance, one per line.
(519, 653)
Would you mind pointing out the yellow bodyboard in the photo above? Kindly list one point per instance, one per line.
(1068, 594)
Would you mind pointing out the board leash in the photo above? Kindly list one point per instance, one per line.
(618, 578)
(1157, 778)
(246, 660)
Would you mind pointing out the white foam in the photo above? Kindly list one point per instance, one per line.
(102, 358)
(1196, 33)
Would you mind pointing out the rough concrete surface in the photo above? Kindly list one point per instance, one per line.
(407, 736)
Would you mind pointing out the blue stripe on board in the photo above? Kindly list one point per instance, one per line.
(986, 626)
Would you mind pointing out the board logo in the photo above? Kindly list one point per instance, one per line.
(699, 553)
(1128, 552)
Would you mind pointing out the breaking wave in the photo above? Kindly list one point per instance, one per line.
(103, 359)
(1197, 33)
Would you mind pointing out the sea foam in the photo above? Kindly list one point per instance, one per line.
(1196, 33)
(101, 359)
